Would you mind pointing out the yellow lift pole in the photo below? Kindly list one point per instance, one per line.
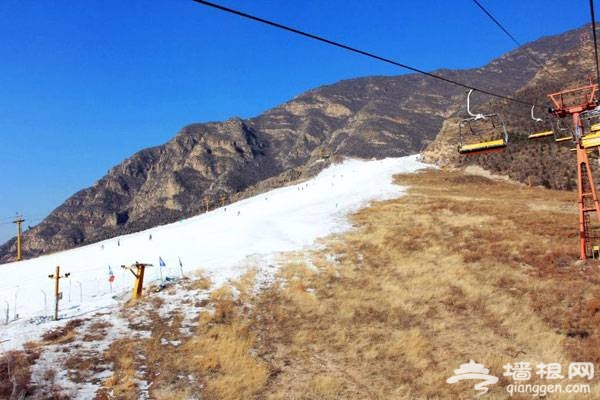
(19, 220)
(57, 293)
(137, 270)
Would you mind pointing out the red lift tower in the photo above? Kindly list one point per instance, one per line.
(572, 103)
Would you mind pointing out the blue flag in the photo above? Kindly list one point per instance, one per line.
(161, 262)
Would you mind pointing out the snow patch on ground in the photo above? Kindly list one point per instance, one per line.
(92, 339)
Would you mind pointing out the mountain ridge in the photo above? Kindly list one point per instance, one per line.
(379, 116)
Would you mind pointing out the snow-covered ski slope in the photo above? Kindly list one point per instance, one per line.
(222, 243)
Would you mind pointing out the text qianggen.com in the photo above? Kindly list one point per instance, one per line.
(543, 390)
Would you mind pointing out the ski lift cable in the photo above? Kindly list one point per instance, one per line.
(12, 218)
(30, 219)
(495, 20)
(358, 51)
(595, 41)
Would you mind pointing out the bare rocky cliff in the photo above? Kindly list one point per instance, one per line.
(365, 117)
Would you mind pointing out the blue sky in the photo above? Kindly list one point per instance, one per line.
(85, 84)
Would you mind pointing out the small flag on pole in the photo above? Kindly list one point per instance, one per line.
(161, 263)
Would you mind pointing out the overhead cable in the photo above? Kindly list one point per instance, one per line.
(358, 51)
(595, 41)
(515, 41)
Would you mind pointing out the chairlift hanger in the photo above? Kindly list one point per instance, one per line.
(490, 126)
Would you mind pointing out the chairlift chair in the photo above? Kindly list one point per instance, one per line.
(562, 132)
(487, 131)
(591, 129)
(540, 128)
(545, 129)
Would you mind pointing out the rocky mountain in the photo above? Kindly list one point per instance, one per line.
(539, 162)
(207, 163)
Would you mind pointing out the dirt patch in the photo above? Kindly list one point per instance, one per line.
(64, 334)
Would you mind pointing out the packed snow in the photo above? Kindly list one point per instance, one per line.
(223, 244)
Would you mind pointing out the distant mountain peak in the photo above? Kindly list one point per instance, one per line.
(378, 116)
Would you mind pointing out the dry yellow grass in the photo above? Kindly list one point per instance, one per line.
(451, 272)
(216, 361)
(460, 268)
(15, 373)
(200, 281)
(223, 353)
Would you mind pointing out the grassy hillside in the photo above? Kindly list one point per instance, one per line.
(462, 267)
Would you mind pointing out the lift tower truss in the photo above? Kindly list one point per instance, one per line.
(572, 103)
